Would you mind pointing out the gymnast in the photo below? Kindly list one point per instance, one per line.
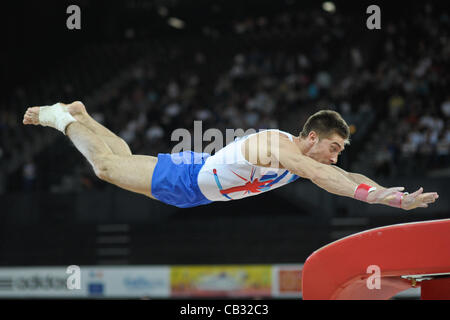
(248, 166)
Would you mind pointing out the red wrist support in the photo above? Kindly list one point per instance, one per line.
(362, 191)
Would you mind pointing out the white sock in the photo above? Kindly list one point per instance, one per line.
(55, 116)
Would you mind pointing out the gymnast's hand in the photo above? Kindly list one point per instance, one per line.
(418, 199)
(383, 195)
(395, 198)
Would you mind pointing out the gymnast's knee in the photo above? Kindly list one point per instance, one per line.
(104, 167)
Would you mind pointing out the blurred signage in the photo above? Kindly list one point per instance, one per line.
(255, 281)
(131, 282)
(36, 282)
(102, 282)
(94, 281)
(220, 281)
(287, 280)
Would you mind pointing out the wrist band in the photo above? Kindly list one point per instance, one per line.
(397, 201)
(362, 191)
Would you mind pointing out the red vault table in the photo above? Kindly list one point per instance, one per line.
(405, 255)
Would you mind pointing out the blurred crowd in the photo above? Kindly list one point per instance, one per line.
(80, 75)
(261, 72)
(413, 74)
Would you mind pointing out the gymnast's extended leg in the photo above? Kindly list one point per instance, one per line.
(116, 144)
(130, 172)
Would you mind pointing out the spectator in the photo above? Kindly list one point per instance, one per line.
(29, 176)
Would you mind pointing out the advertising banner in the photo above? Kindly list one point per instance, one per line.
(254, 281)
(43, 282)
(221, 281)
(85, 281)
(128, 282)
(287, 280)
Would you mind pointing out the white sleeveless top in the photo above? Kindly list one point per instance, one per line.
(227, 175)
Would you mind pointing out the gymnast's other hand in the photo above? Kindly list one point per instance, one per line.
(418, 199)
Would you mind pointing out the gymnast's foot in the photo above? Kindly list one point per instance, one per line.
(77, 110)
(55, 116)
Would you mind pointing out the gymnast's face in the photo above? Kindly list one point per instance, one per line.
(325, 150)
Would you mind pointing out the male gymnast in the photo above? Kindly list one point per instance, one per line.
(251, 165)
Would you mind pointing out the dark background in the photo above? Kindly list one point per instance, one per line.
(54, 211)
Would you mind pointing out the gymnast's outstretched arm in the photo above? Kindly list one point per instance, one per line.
(358, 178)
(340, 182)
(417, 199)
